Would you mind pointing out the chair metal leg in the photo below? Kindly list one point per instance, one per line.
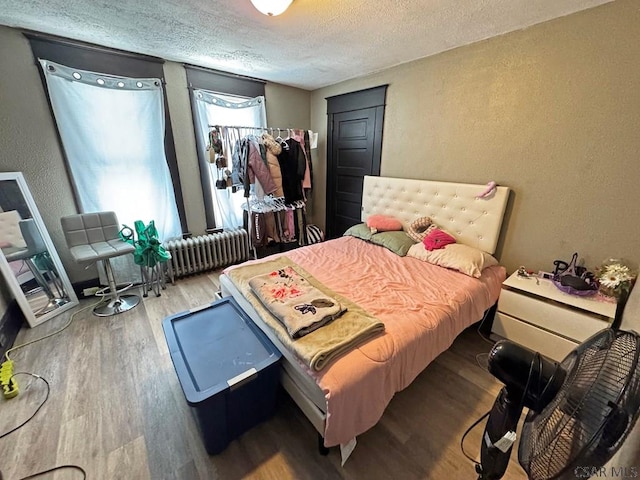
(117, 303)
(54, 302)
(52, 273)
(41, 281)
(171, 273)
(144, 274)
(153, 279)
(158, 283)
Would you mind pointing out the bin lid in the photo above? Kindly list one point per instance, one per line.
(215, 346)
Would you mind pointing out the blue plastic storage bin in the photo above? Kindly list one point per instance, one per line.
(227, 367)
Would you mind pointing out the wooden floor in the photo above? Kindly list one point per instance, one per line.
(117, 410)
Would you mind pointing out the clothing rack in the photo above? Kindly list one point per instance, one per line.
(269, 203)
(273, 204)
(262, 129)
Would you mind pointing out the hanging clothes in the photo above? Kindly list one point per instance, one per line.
(291, 228)
(239, 161)
(302, 137)
(258, 230)
(271, 227)
(278, 227)
(248, 165)
(273, 149)
(275, 174)
(306, 146)
(301, 227)
(292, 165)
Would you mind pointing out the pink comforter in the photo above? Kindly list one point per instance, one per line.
(423, 306)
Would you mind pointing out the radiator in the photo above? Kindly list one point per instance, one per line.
(207, 252)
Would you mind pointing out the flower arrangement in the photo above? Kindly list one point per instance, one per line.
(615, 278)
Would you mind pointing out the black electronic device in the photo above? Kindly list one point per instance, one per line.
(580, 410)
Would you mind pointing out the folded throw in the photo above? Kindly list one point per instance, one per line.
(300, 306)
(320, 347)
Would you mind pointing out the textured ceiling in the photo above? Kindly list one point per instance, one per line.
(313, 44)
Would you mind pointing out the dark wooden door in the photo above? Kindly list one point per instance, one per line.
(354, 149)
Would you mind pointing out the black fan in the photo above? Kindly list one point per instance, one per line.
(580, 411)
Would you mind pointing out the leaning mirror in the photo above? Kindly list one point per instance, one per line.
(29, 261)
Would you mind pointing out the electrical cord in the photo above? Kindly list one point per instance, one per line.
(485, 364)
(464, 435)
(537, 358)
(8, 384)
(530, 376)
(484, 318)
(483, 337)
(37, 409)
(546, 387)
(12, 384)
(60, 467)
(69, 322)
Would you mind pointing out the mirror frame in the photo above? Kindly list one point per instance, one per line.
(10, 278)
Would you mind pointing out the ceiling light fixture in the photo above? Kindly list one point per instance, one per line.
(271, 7)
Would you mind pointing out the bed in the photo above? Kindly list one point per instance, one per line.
(423, 306)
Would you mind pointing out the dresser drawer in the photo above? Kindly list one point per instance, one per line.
(562, 319)
(534, 338)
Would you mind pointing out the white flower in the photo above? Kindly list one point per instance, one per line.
(615, 274)
(616, 268)
(609, 281)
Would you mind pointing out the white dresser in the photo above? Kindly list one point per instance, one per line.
(536, 314)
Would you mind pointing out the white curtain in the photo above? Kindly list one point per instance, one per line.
(216, 109)
(112, 130)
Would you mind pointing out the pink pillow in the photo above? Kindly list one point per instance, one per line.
(383, 223)
(437, 239)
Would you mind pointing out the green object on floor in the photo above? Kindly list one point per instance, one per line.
(149, 251)
(9, 384)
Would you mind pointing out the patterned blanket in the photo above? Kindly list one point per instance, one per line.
(317, 349)
(299, 306)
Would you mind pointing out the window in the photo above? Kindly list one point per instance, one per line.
(245, 97)
(112, 129)
(110, 111)
(214, 109)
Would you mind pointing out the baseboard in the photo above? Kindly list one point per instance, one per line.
(10, 325)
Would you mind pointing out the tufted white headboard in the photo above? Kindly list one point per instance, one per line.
(452, 206)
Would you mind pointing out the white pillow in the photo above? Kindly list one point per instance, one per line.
(463, 258)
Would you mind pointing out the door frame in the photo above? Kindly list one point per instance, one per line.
(374, 97)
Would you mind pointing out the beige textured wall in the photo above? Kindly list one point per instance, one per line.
(551, 111)
(29, 143)
(185, 143)
(288, 107)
